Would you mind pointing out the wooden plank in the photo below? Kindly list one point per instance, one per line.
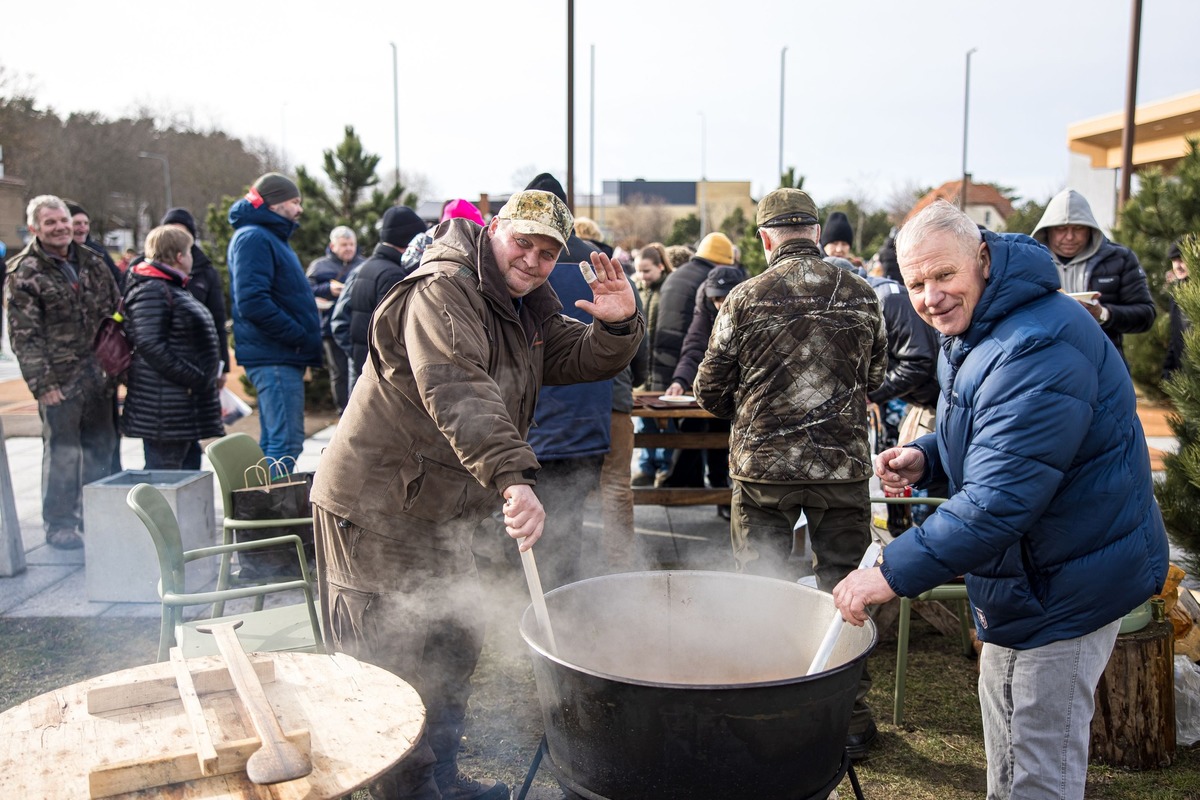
(682, 496)
(671, 413)
(101, 699)
(706, 440)
(206, 754)
(150, 773)
(936, 614)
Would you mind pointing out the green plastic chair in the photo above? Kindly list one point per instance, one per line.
(283, 628)
(231, 456)
(955, 592)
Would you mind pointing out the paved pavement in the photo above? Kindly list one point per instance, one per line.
(53, 583)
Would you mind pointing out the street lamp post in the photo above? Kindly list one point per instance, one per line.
(166, 173)
(782, 74)
(703, 173)
(962, 196)
(396, 109)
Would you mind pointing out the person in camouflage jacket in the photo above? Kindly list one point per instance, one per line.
(793, 353)
(57, 294)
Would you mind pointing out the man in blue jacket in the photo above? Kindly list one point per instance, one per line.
(1051, 514)
(276, 330)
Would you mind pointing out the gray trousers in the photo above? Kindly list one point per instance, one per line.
(1037, 709)
(78, 439)
(415, 611)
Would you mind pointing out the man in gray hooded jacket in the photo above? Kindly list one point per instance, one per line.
(1088, 262)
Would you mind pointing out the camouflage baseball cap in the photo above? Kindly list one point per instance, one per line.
(786, 207)
(537, 212)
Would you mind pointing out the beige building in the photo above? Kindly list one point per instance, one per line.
(1160, 134)
(711, 201)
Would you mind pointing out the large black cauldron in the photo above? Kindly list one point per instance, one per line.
(690, 684)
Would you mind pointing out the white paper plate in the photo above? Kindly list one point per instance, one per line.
(677, 398)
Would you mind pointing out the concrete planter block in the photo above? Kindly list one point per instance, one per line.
(120, 563)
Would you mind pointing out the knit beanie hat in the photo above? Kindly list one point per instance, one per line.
(1174, 252)
(74, 208)
(546, 182)
(462, 209)
(716, 248)
(180, 216)
(399, 225)
(837, 229)
(273, 189)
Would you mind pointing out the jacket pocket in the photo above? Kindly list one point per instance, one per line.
(435, 492)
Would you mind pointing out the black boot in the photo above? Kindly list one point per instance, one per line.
(445, 739)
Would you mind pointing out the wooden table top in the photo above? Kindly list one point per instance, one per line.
(362, 720)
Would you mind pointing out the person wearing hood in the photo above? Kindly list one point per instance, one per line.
(434, 441)
(172, 401)
(1088, 262)
(1050, 494)
(276, 328)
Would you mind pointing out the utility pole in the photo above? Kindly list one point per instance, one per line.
(1127, 134)
(396, 109)
(166, 173)
(571, 105)
(966, 177)
(782, 75)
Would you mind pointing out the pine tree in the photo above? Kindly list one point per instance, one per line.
(351, 172)
(1179, 495)
(1164, 208)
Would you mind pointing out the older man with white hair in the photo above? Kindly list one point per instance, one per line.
(58, 292)
(328, 275)
(1050, 494)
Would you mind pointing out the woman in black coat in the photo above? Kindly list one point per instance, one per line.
(172, 399)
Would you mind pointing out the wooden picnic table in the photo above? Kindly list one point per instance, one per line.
(647, 404)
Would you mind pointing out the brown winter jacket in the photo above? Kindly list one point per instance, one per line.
(793, 353)
(52, 323)
(436, 425)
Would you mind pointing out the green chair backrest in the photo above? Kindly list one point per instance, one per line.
(231, 456)
(150, 505)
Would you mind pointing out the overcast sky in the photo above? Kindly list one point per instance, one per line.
(874, 90)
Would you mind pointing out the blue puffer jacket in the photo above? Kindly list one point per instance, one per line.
(572, 421)
(1052, 514)
(274, 314)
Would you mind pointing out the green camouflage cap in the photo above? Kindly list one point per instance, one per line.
(533, 211)
(786, 207)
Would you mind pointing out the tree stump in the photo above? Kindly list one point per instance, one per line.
(1134, 723)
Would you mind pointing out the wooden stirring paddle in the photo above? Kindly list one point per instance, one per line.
(278, 759)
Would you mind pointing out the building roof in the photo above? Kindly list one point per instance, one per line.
(978, 194)
(1160, 133)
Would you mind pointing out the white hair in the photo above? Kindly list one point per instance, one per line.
(778, 234)
(940, 217)
(341, 232)
(40, 202)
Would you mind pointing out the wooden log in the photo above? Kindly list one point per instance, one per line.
(1134, 723)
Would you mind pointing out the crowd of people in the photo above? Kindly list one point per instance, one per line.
(484, 371)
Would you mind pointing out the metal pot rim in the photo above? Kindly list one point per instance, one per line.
(528, 615)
